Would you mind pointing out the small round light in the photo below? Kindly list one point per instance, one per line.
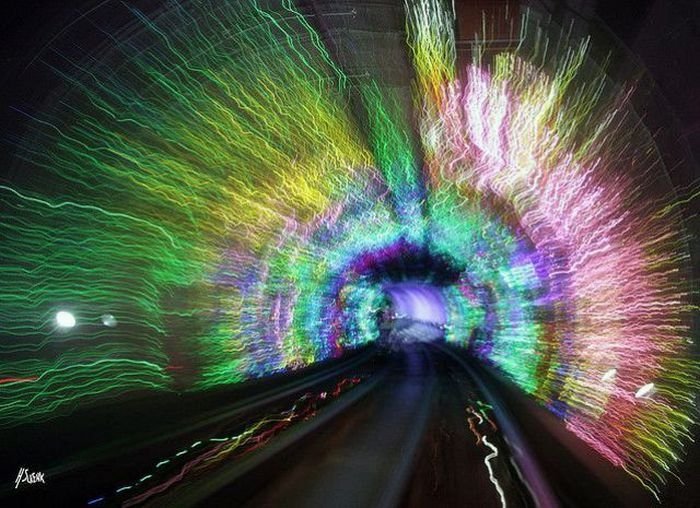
(109, 320)
(65, 319)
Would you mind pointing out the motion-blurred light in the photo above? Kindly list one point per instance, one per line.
(109, 320)
(645, 390)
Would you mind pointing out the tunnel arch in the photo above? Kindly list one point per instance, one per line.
(226, 206)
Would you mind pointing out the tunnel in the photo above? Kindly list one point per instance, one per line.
(377, 253)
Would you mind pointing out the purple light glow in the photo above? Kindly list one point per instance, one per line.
(414, 300)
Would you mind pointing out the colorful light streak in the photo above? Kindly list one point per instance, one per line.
(210, 451)
(596, 276)
(478, 418)
(211, 211)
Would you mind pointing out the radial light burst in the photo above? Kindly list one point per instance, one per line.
(211, 210)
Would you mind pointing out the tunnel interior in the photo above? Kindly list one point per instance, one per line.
(207, 196)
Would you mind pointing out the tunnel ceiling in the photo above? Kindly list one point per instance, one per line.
(213, 192)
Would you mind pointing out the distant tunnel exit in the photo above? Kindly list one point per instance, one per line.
(417, 301)
(417, 312)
